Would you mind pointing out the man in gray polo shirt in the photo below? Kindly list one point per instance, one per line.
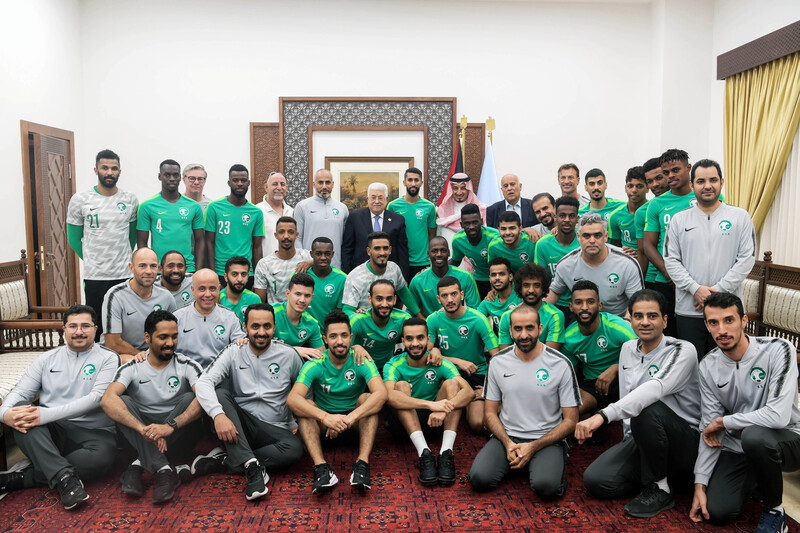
(539, 394)
(273, 272)
(154, 406)
(615, 273)
(250, 413)
(708, 248)
(206, 327)
(126, 306)
(173, 277)
(322, 216)
(67, 436)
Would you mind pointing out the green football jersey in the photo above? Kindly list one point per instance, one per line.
(248, 298)
(235, 227)
(639, 221)
(478, 255)
(306, 333)
(336, 390)
(622, 226)
(524, 252)
(423, 287)
(425, 381)
(327, 293)
(466, 337)
(171, 225)
(612, 205)
(548, 253)
(659, 212)
(494, 310)
(378, 342)
(551, 318)
(419, 216)
(599, 350)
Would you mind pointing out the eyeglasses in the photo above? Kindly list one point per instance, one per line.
(76, 327)
(193, 179)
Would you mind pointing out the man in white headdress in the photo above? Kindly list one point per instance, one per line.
(459, 193)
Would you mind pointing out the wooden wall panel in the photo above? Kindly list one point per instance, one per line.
(265, 156)
(474, 151)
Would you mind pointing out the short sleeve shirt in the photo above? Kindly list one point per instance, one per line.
(106, 222)
(523, 253)
(548, 253)
(425, 381)
(336, 390)
(423, 287)
(273, 274)
(551, 318)
(622, 226)
(379, 342)
(248, 298)
(598, 351)
(612, 205)
(465, 337)
(234, 227)
(327, 293)
(478, 255)
(157, 391)
(659, 212)
(356, 287)
(170, 225)
(306, 333)
(419, 217)
(494, 310)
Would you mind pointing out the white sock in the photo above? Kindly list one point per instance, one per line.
(166, 467)
(419, 442)
(663, 485)
(779, 508)
(137, 462)
(448, 439)
(247, 463)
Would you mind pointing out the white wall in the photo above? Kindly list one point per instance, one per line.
(40, 81)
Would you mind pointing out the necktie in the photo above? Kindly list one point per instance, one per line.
(377, 226)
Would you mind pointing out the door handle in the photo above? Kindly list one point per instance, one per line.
(42, 258)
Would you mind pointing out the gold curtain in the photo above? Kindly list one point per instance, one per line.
(762, 111)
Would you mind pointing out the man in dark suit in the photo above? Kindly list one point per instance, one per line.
(512, 201)
(364, 221)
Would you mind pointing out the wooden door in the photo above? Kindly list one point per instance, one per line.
(52, 269)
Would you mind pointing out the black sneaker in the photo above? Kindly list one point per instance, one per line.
(772, 521)
(360, 476)
(132, 483)
(447, 468)
(184, 473)
(167, 481)
(70, 488)
(324, 478)
(211, 463)
(650, 502)
(256, 480)
(427, 468)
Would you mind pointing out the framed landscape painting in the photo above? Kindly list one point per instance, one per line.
(352, 176)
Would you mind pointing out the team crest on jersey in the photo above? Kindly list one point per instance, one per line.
(392, 335)
(542, 375)
(758, 376)
(693, 203)
(246, 218)
(350, 375)
(652, 370)
(335, 211)
(725, 226)
(602, 342)
(523, 256)
(173, 382)
(273, 369)
(157, 307)
(302, 334)
(122, 207)
(463, 330)
(613, 279)
(185, 296)
(420, 213)
(484, 252)
(87, 371)
(219, 330)
(329, 289)
(430, 375)
(183, 211)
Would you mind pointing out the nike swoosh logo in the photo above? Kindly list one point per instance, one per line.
(243, 367)
(225, 215)
(188, 330)
(577, 279)
(275, 273)
(328, 379)
(723, 385)
(669, 208)
(688, 229)
(625, 367)
(427, 290)
(313, 211)
(508, 375)
(129, 314)
(54, 371)
(143, 382)
(161, 212)
(93, 208)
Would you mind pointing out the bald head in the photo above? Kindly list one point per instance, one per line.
(511, 187)
(144, 267)
(205, 289)
(276, 187)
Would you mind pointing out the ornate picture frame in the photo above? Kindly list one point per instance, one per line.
(352, 175)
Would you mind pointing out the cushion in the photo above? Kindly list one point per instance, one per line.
(750, 295)
(13, 300)
(12, 367)
(782, 307)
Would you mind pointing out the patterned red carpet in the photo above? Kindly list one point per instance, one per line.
(397, 502)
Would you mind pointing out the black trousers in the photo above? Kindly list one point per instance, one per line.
(693, 330)
(95, 290)
(668, 292)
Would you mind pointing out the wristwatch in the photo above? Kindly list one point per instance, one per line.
(171, 423)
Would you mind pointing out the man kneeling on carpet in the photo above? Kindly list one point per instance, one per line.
(244, 391)
(426, 396)
(660, 408)
(341, 403)
(154, 406)
(67, 436)
(538, 391)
